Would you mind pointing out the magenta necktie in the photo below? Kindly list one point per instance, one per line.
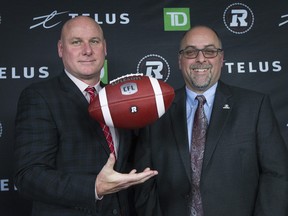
(105, 128)
(197, 152)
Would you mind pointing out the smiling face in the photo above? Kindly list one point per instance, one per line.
(201, 73)
(82, 48)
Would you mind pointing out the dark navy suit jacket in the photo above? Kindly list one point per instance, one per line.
(245, 167)
(60, 150)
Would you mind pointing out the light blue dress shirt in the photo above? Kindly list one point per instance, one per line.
(191, 106)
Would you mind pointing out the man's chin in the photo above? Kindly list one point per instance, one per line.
(201, 86)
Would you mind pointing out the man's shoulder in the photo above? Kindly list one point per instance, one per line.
(48, 83)
(239, 90)
(50, 86)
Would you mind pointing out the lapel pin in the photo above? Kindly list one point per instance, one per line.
(226, 106)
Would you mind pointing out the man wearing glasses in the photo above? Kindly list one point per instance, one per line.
(218, 149)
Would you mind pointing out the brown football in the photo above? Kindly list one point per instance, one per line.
(132, 101)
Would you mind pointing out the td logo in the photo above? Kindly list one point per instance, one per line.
(176, 19)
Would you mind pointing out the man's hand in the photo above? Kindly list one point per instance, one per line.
(109, 181)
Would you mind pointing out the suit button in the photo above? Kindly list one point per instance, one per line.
(115, 212)
(187, 197)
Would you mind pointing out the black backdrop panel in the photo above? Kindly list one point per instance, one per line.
(254, 38)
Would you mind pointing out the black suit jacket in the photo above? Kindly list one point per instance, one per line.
(60, 150)
(245, 167)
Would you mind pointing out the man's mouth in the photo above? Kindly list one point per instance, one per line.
(86, 61)
(200, 68)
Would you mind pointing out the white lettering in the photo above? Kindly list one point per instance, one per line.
(73, 15)
(240, 67)
(13, 72)
(276, 65)
(263, 69)
(176, 17)
(134, 109)
(43, 72)
(25, 72)
(4, 185)
(156, 71)
(107, 18)
(110, 19)
(240, 15)
(3, 73)
(229, 66)
(253, 67)
(124, 18)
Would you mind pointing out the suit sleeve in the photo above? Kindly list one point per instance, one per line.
(36, 147)
(273, 181)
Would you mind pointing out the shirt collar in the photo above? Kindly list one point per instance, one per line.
(80, 84)
(209, 95)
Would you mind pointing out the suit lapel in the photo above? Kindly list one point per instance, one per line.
(179, 127)
(221, 110)
(74, 94)
(72, 91)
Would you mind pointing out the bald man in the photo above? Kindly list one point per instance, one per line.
(62, 159)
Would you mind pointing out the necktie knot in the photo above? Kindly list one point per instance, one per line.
(201, 99)
(91, 91)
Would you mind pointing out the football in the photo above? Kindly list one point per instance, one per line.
(131, 101)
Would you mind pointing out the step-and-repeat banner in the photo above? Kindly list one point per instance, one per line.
(142, 37)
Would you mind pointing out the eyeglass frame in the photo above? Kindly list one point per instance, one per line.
(217, 50)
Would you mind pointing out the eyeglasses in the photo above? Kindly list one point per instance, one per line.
(191, 52)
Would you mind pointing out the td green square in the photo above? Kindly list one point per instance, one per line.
(176, 19)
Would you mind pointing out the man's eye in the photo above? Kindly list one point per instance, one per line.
(191, 52)
(95, 41)
(209, 52)
(76, 42)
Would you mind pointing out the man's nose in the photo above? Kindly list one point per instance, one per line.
(87, 50)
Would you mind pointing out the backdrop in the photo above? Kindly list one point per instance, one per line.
(142, 37)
